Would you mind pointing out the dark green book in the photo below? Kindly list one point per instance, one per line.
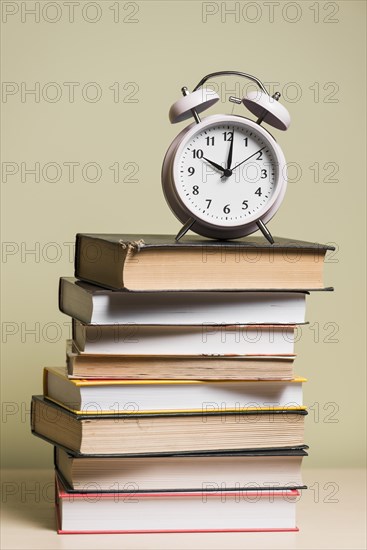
(244, 470)
(159, 263)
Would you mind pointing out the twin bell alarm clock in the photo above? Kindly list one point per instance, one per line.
(224, 176)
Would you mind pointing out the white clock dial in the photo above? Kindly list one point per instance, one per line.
(226, 173)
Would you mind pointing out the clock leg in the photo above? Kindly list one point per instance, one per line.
(184, 229)
(265, 231)
(194, 112)
(276, 96)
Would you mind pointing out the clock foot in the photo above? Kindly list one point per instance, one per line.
(265, 231)
(184, 229)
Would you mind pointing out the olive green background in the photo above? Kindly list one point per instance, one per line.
(318, 61)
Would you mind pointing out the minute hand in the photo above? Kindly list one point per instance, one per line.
(248, 158)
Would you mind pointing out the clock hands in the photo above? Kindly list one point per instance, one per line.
(227, 172)
(248, 158)
(217, 166)
(229, 159)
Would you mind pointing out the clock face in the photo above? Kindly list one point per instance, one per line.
(227, 172)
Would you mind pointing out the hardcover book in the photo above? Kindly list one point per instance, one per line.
(170, 512)
(159, 396)
(185, 340)
(173, 367)
(158, 262)
(92, 304)
(213, 430)
(257, 470)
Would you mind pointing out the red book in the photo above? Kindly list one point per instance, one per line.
(175, 512)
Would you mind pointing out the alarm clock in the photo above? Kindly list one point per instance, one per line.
(224, 176)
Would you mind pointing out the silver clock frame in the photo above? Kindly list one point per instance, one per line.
(185, 215)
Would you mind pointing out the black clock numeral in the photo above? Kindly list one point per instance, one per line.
(191, 170)
(197, 153)
(209, 201)
(264, 174)
(210, 140)
(259, 156)
(246, 141)
(195, 190)
(245, 205)
(258, 191)
(228, 136)
(226, 209)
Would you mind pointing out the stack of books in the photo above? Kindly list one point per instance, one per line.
(178, 408)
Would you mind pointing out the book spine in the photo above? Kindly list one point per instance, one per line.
(77, 254)
(45, 382)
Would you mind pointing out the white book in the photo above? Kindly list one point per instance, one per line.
(211, 471)
(156, 396)
(205, 339)
(95, 305)
(164, 512)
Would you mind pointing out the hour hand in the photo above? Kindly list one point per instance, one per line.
(217, 166)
